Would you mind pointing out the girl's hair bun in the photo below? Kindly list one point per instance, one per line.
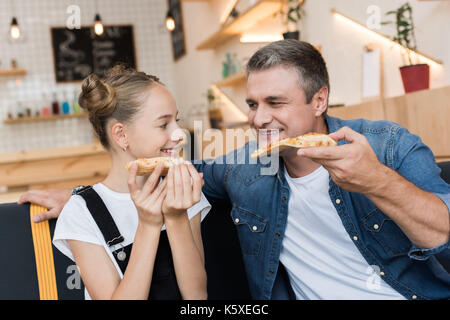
(97, 97)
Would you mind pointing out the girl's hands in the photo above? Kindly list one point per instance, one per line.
(184, 189)
(149, 199)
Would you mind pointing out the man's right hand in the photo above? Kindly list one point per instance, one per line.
(53, 199)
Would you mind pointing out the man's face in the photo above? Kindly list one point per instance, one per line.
(278, 107)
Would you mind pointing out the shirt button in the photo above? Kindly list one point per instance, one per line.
(414, 297)
(355, 238)
(338, 201)
(284, 198)
(381, 273)
(278, 234)
(255, 228)
(236, 220)
(271, 271)
(375, 226)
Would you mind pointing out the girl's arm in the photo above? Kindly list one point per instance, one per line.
(188, 263)
(187, 257)
(100, 275)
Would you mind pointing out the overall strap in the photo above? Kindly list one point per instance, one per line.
(101, 215)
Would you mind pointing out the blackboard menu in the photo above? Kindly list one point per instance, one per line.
(177, 35)
(79, 52)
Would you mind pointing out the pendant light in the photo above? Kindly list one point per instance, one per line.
(170, 21)
(14, 30)
(98, 25)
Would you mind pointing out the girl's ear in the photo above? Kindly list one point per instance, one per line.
(320, 101)
(119, 136)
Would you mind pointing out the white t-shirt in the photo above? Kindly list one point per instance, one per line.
(320, 257)
(76, 222)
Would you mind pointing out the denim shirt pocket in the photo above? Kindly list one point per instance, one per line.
(250, 228)
(387, 233)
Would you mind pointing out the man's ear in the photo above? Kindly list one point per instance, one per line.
(320, 101)
(119, 136)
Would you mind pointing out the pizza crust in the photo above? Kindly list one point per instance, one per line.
(147, 165)
(309, 140)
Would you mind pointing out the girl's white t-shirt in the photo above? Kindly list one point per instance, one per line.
(76, 222)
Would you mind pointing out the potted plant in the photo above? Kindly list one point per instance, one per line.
(292, 12)
(415, 76)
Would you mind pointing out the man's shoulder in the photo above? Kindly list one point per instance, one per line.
(362, 125)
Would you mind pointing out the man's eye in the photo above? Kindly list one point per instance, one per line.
(252, 105)
(163, 126)
(178, 119)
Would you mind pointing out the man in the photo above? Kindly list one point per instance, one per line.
(367, 219)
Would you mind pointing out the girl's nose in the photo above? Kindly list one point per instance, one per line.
(178, 135)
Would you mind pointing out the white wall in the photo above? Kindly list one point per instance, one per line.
(342, 46)
(153, 53)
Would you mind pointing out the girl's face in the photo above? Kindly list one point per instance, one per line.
(155, 131)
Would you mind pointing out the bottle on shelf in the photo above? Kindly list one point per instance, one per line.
(75, 106)
(28, 113)
(10, 113)
(65, 107)
(20, 110)
(45, 106)
(224, 70)
(236, 63)
(36, 110)
(229, 64)
(55, 104)
(233, 64)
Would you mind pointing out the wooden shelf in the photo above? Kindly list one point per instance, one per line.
(232, 80)
(373, 31)
(45, 118)
(13, 72)
(260, 11)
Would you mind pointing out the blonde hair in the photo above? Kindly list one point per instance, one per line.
(118, 95)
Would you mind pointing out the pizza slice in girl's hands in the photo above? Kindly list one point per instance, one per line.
(309, 140)
(147, 165)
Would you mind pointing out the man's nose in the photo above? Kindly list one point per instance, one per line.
(262, 117)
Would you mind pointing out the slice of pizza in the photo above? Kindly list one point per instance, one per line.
(147, 165)
(308, 140)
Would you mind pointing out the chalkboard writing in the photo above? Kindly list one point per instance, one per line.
(79, 52)
(177, 35)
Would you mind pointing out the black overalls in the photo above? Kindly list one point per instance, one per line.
(164, 283)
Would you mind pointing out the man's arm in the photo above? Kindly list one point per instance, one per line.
(53, 199)
(422, 215)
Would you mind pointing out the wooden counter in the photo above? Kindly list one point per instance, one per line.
(424, 113)
(53, 168)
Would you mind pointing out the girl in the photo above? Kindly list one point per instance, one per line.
(132, 237)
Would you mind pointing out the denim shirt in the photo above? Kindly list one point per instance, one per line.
(260, 208)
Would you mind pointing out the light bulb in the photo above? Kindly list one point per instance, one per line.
(98, 26)
(170, 22)
(14, 30)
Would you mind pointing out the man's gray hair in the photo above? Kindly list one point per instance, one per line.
(301, 56)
